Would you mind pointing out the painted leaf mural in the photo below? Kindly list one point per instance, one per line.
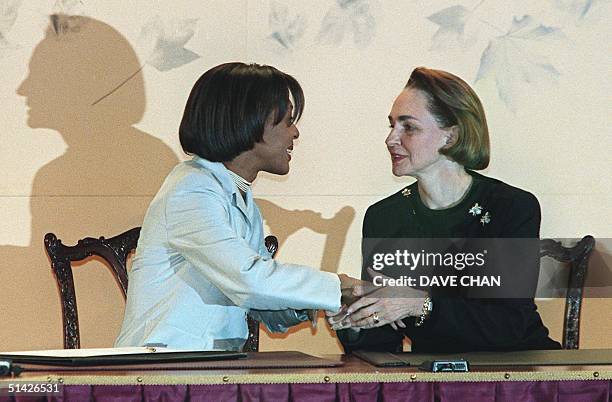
(510, 62)
(67, 6)
(451, 22)
(8, 15)
(167, 43)
(286, 29)
(578, 8)
(348, 17)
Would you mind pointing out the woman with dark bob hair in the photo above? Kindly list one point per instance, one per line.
(439, 136)
(201, 264)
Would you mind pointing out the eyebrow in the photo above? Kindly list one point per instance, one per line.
(404, 118)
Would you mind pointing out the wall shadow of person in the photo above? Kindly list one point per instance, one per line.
(85, 83)
(598, 283)
(284, 222)
(554, 275)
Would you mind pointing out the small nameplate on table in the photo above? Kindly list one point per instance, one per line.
(446, 366)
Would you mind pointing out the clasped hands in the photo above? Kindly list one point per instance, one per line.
(367, 306)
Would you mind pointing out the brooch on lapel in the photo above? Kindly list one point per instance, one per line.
(407, 193)
(477, 210)
(486, 218)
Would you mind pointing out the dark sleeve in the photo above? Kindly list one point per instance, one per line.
(459, 324)
(500, 324)
(382, 338)
(522, 219)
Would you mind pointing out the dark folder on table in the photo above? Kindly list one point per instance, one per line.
(123, 359)
(583, 357)
(161, 359)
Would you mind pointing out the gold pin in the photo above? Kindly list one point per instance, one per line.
(406, 192)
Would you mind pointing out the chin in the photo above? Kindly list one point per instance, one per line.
(280, 171)
(403, 170)
(399, 172)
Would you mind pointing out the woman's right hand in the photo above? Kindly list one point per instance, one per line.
(347, 287)
(339, 319)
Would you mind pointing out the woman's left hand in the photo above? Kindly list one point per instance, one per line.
(386, 305)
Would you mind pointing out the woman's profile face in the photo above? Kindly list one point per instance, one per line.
(415, 137)
(274, 151)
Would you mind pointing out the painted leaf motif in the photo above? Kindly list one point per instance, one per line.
(579, 8)
(348, 16)
(168, 43)
(512, 65)
(451, 22)
(8, 15)
(363, 23)
(456, 27)
(332, 27)
(66, 6)
(527, 27)
(286, 30)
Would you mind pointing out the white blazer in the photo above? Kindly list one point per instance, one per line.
(201, 265)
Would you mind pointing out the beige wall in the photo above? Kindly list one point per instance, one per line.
(78, 170)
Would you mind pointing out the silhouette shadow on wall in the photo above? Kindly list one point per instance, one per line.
(85, 83)
(554, 275)
(71, 86)
(283, 223)
(598, 282)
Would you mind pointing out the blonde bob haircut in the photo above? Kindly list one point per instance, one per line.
(453, 102)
